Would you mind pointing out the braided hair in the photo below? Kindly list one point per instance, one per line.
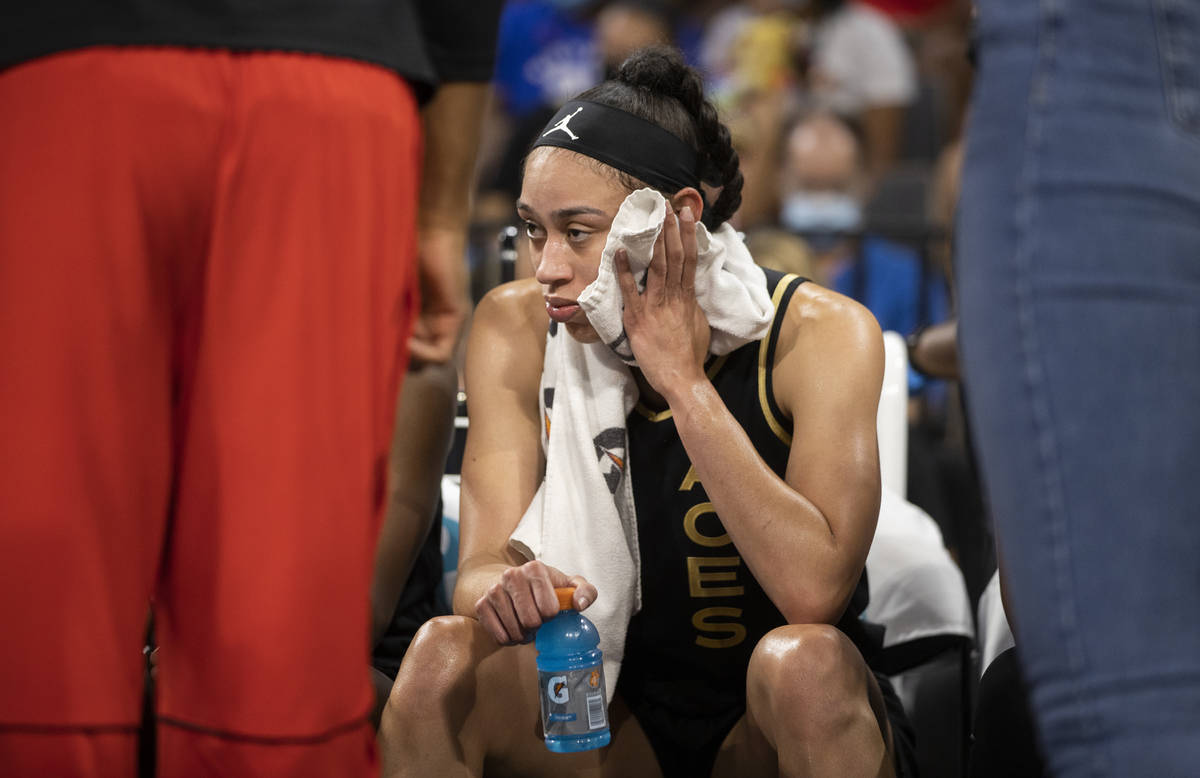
(655, 84)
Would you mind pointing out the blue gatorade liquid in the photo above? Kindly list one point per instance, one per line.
(571, 680)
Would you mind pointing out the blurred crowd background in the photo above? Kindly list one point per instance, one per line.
(847, 116)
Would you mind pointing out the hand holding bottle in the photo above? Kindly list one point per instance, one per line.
(571, 684)
(523, 599)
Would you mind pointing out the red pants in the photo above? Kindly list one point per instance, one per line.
(206, 280)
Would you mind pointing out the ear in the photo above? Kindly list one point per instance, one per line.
(690, 197)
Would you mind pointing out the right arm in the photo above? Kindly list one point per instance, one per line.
(503, 466)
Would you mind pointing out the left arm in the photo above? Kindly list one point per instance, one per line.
(805, 537)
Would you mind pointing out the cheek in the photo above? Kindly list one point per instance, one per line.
(588, 266)
(590, 270)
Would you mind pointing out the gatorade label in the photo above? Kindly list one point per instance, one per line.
(573, 702)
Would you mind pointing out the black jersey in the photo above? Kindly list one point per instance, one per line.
(426, 41)
(703, 612)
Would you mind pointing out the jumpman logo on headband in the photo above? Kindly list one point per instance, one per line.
(562, 125)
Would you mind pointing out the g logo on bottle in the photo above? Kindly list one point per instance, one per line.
(556, 689)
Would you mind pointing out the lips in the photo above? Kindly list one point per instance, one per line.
(561, 310)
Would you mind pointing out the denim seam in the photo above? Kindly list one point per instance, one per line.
(1168, 64)
(1047, 448)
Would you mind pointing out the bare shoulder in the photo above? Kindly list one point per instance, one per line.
(510, 323)
(822, 328)
(816, 314)
(516, 307)
(507, 341)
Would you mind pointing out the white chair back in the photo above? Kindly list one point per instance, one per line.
(892, 418)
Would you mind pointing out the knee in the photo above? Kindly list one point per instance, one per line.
(439, 661)
(808, 674)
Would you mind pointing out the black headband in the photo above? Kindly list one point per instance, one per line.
(627, 142)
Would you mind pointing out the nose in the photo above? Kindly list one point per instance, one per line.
(552, 264)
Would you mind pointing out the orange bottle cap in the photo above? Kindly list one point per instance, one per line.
(565, 596)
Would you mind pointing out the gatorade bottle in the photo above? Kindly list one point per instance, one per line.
(571, 680)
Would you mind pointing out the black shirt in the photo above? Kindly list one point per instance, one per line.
(426, 41)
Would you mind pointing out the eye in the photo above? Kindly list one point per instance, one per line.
(533, 230)
(576, 235)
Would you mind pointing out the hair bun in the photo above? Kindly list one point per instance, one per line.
(656, 68)
(657, 84)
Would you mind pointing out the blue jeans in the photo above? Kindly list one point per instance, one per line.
(1079, 272)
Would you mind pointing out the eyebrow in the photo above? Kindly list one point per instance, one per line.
(565, 213)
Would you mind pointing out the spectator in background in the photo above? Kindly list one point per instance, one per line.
(823, 180)
(750, 47)
(546, 52)
(908, 10)
(755, 122)
(860, 67)
(549, 50)
(624, 26)
(938, 32)
(844, 57)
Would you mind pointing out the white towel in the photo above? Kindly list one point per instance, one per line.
(582, 519)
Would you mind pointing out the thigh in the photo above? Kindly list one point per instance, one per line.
(102, 162)
(291, 369)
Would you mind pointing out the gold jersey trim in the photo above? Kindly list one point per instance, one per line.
(763, 347)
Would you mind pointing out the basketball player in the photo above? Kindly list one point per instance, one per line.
(758, 471)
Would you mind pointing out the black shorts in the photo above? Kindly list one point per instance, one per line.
(686, 745)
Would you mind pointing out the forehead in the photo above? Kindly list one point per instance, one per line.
(554, 176)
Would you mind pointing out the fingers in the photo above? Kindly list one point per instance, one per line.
(674, 252)
(497, 615)
(672, 267)
(656, 273)
(434, 336)
(687, 237)
(585, 593)
(437, 352)
(629, 291)
(519, 588)
(521, 601)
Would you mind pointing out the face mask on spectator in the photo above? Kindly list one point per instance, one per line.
(822, 218)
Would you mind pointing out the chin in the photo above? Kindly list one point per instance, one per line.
(582, 332)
